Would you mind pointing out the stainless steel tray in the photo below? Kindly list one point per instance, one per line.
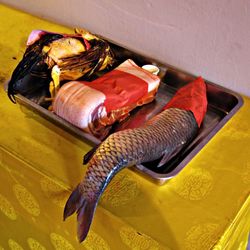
(222, 105)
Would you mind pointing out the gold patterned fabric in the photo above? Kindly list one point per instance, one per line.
(206, 206)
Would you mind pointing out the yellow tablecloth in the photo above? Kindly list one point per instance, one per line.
(206, 206)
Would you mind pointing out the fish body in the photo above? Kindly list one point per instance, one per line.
(165, 134)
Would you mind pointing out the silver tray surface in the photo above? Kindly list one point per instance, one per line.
(222, 105)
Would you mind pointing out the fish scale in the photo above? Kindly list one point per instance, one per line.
(134, 145)
(164, 135)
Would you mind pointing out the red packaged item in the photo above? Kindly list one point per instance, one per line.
(191, 97)
(95, 106)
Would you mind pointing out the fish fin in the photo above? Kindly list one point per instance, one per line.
(84, 218)
(85, 210)
(163, 160)
(88, 156)
(169, 155)
(72, 203)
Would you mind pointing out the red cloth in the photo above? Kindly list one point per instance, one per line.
(120, 88)
(191, 97)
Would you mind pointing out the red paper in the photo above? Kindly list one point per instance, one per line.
(191, 97)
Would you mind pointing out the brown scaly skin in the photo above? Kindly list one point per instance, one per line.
(166, 133)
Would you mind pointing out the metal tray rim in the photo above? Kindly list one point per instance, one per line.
(159, 178)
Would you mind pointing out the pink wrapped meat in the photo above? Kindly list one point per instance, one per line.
(95, 106)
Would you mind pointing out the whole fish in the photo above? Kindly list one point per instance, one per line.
(165, 134)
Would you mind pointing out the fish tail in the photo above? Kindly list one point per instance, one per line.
(84, 219)
(85, 210)
(72, 203)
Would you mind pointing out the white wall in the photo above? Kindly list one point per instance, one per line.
(208, 38)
